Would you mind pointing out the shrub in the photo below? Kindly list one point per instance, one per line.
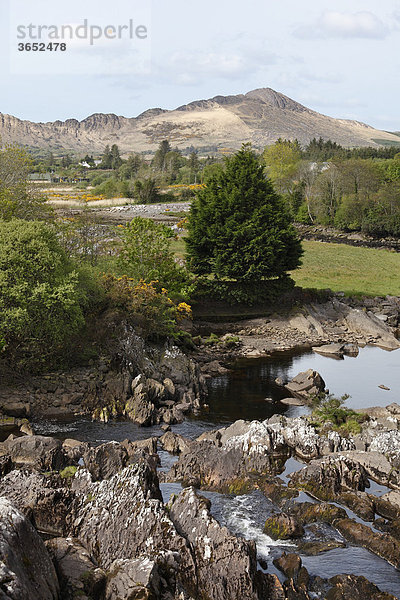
(150, 309)
(332, 411)
(41, 295)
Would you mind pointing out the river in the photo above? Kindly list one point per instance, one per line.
(248, 392)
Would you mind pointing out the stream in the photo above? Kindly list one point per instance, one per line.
(248, 392)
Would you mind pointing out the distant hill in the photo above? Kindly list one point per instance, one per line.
(260, 116)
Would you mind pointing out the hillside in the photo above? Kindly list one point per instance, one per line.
(260, 116)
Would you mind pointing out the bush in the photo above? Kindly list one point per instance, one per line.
(146, 255)
(151, 310)
(41, 295)
(332, 412)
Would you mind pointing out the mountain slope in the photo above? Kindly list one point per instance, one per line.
(260, 116)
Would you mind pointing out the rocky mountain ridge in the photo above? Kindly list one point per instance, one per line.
(260, 116)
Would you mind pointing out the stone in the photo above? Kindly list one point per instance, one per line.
(292, 401)
(36, 451)
(283, 527)
(139, 409)
(333, 350)
(355, 587)
(174, 443)
(383, 545)
(78, 575)
(41, 498)
(134, 578)
(327, 477)
(226, 566)
(26, 569)
(306, 385)
(105, 460)
(16, 409)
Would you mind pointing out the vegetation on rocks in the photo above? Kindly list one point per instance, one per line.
(331, 413)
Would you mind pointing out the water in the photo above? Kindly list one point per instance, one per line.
(244, 394)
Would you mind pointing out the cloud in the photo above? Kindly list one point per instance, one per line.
(345, 25)
(191, 68)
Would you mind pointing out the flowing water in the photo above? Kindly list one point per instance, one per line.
(248, 392)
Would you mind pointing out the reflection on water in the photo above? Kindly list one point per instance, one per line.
(245, 392)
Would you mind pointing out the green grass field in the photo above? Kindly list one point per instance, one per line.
(349, 269)
(342, 268)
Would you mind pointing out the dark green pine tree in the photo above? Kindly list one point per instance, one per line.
(239, 227)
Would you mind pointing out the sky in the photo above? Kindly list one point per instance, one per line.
(339, 57)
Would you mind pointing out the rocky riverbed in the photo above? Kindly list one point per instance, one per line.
(98, 521)
(89, 521)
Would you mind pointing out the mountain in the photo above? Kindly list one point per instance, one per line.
(260, 116)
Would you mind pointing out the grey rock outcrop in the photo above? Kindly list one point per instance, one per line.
(26, 569)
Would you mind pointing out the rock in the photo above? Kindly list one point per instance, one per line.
(368, 325)
(78, 575)
(292, 401)
(174, 443)
(327, 477)
(214, 368)
(41, 498)
(283, 527)
(333, 350)
(105, 460)
(315, 548)
(16, 409)
(289, 564)
(355, 587)
(124, 518)
(26, 569)
(323, 512)
(226, 566)
(306, 385)
(36, 451)
(135, 578)
(169, 387)
(384, 387)
(375, 462)
(74, 450)
(360, 503)
(382, 545)
(230, 460)
(27, 429)
(139, 408)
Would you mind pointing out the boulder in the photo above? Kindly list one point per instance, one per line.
(306, 385)
(26, 569)
(135, 578)
(327, 477)
(35, 451)
(332, 350)
(105, 460)
(369, 326)
(355, 587)
(139, 408)
(78, 575)
(43, 499)
(383, 545)
(283, 527)
(174, 443)
(226, 566)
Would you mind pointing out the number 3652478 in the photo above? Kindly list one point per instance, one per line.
(42, 47)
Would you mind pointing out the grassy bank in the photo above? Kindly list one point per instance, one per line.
(342, 268)
(349, 269)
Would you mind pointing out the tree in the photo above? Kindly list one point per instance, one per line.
(18, 198)
(106, 159)
(159, 157)
(41, 297)
(116, 160)
(146, 253)
(146, 191)
(239, 227)
(282, 160)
